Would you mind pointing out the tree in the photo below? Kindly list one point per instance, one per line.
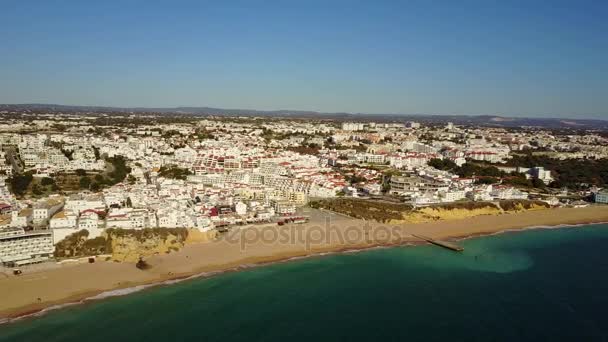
(442, 164)
(67, 154)
(85, 182)
(96, 151)
(174, 172)
(81, 172)
(354, 179)
(120, 169)
(99, 179)
(36, 190)
(20, 183)
(47, 181)
(537, 183)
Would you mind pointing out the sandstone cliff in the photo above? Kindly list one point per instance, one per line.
(395, 213)
(129, 245)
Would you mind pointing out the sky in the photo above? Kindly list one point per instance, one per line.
(516, 58)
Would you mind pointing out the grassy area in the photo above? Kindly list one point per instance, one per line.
(363, 209)
(383, 211)
(26, 186)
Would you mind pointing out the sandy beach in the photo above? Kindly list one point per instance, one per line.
(42, 287)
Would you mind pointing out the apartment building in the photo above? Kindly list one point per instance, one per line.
(20, 248)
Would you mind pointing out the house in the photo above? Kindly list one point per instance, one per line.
(240, 208)
(506, 193)
(45, 209)
(451, 195)
(89, 220)
(130, 218)
(5, 208)
(64, 219)
(79, 203)
(23, 218)
(284, 207)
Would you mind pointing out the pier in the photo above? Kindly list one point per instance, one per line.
(445, 244)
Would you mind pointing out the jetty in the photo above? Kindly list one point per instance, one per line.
(445, 244)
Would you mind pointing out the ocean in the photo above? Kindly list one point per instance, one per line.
(537, 285)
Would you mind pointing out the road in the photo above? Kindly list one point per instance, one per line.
(11, 154)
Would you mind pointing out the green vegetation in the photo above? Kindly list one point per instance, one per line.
(364, 209)
(204, 135)
(486, 174)
(386, 211)
(443, 164)
(512, 205)
(25, 184)
(47, 181)
(311, 149)
(20, 183)
(120, 169)
(77, 245)
(142, 235)
(571, 173)
(67, 154)
(96, 151)
(468, 205)
(174, 172)
(85, 182)
(354, 179)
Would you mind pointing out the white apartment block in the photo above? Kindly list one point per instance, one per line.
(19, 248)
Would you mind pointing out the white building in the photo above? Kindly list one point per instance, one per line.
(19, 248)
(45, 209)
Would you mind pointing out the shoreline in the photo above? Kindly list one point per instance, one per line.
(514, 222)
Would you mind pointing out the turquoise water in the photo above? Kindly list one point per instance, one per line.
(531, 286)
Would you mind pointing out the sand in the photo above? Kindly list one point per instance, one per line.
(43, 287)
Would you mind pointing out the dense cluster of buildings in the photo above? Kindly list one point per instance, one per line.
(208, 174)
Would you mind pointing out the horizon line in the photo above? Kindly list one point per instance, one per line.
(176, 109)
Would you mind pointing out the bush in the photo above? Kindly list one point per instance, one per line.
(364, 209)
(511, 205)
(174, 172)
(85, 182)
(47, 181)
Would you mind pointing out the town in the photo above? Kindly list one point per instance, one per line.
(62, 173)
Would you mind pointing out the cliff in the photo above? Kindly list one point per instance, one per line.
(396, 213)
(129, 245)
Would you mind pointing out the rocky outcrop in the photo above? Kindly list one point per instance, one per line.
(130, 245)
(429, 214)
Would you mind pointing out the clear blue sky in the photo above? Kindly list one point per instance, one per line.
(531, 58)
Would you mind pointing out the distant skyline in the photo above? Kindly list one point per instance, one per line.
(511, 58)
